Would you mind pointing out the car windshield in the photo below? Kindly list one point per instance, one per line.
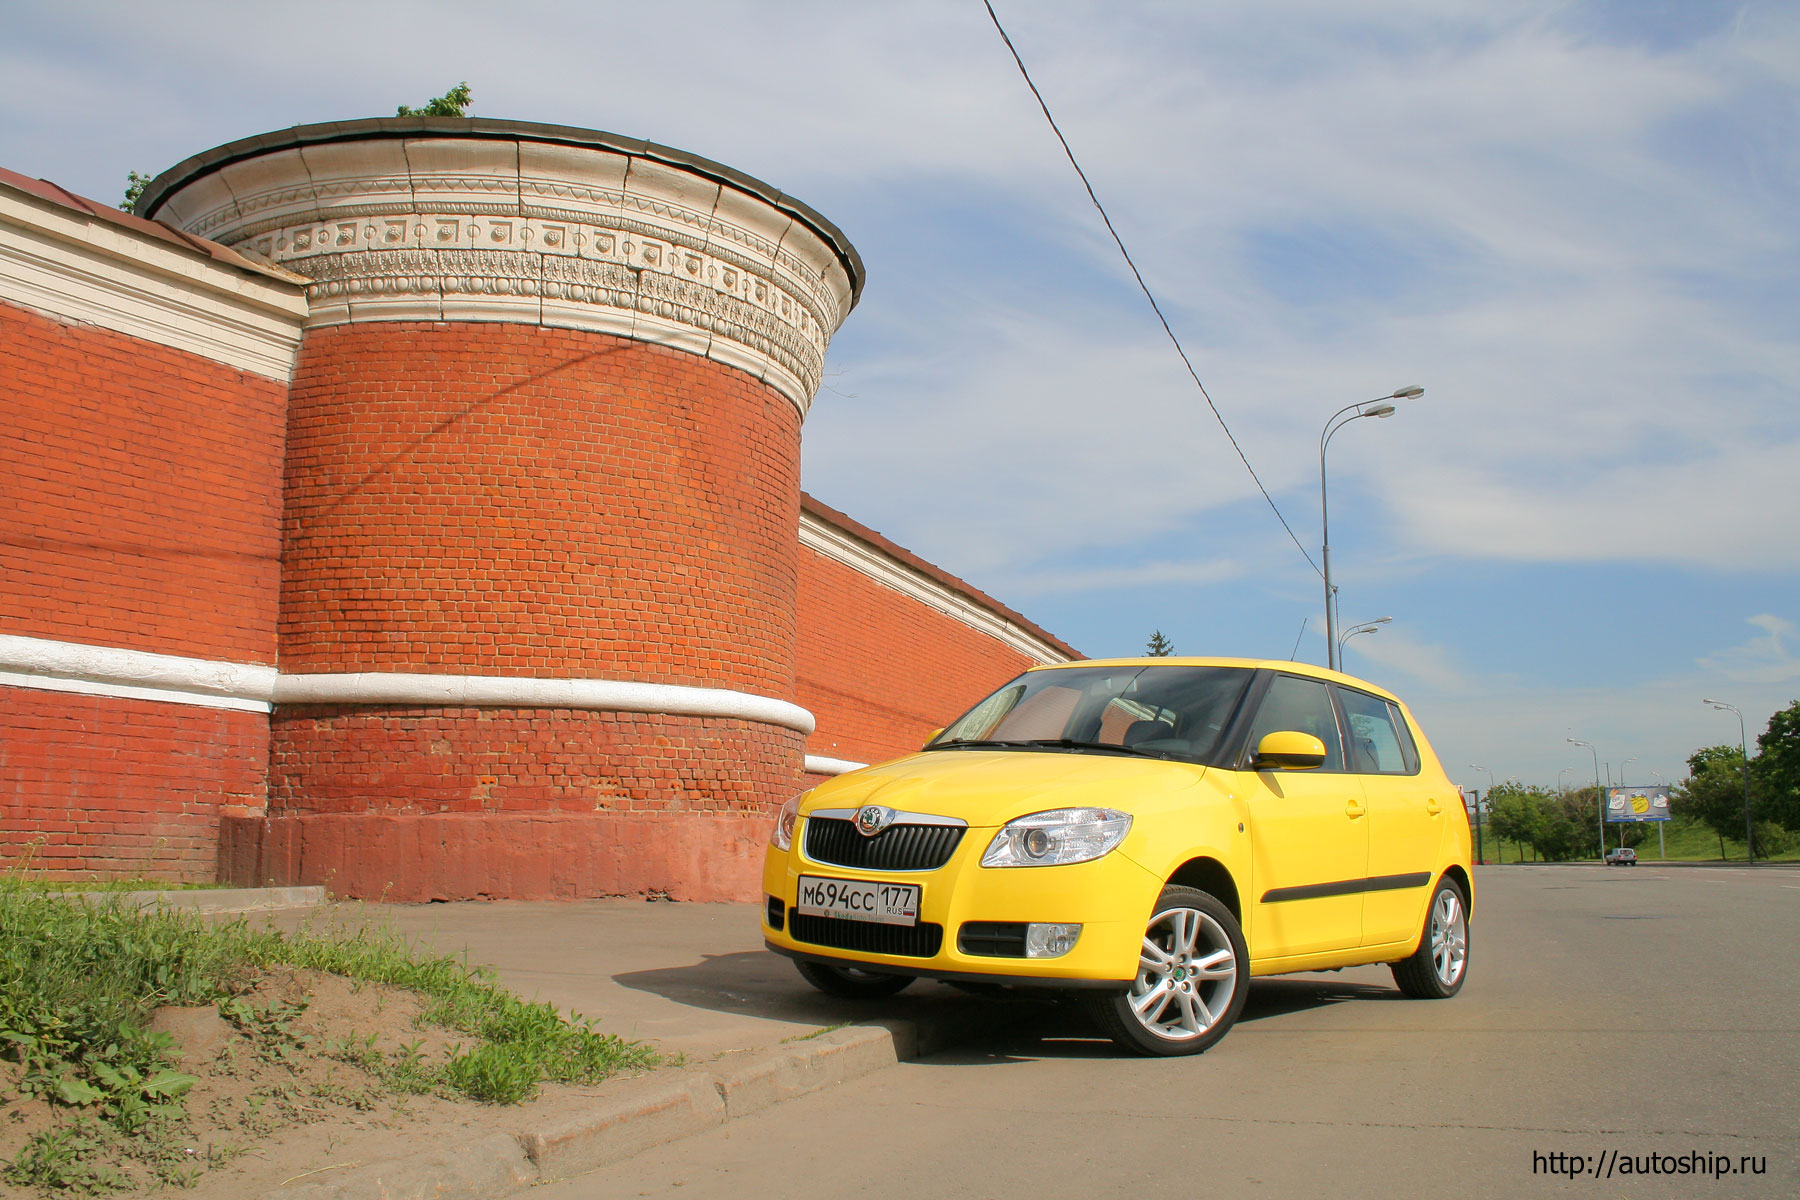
(1156, 711)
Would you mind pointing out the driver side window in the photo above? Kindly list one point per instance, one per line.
(1302, 705)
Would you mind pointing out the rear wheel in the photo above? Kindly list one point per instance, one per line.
(1193, 975)
(852, 983)
(1436, 970)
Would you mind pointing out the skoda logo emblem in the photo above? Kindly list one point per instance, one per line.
(871, 819)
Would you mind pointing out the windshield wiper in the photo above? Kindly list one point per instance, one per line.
(1074, 744)
(982, 745)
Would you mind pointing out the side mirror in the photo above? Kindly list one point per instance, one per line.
(1289, 750)
(933, 736)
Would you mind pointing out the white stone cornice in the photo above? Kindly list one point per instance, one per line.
(68, 265)
(133, 674)
(400, 224)
(496, 691)
(853, 552)
(818, 764)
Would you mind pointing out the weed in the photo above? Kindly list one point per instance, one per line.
(80, 978)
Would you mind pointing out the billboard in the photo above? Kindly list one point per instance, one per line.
(1637, 804)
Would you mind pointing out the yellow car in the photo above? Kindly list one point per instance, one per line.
(1150, 832)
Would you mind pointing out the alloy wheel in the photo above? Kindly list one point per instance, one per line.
(1187, 975)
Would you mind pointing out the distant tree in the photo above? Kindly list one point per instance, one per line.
(1158, 645)
(1777, 768)
(1713, 793)
(1558, 825)
(453, 103)
(134, 187)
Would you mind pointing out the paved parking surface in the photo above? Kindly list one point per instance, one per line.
(1628, 1013)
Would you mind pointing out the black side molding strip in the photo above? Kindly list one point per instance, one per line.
(1348, 887)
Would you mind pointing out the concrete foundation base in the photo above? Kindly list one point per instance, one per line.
(517, 856)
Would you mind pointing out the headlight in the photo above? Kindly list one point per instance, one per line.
(1058, 837)
(783, 836)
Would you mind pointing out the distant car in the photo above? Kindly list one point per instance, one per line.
(1624, 856)
(1148, 832)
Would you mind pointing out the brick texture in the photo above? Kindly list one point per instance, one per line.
(505, 499)
(140, 494)
(880, 670)
(105, 786)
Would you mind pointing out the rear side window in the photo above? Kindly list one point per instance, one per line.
(1304, 706)
(1375, 745)
(1408, 747)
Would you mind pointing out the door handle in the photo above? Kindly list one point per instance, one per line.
(1354, 809)
(1432, 806)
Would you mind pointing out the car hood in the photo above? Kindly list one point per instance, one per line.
(991, 787)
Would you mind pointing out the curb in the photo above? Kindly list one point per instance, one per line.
(644, 1112)
(215, 900)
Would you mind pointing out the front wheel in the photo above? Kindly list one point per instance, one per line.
(1436, 970)
(1193, 975)
(852, 983)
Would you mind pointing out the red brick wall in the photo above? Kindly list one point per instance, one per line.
(140, 498)
(880, 670)
(140, 494)
(506, 499)
(96, 784)
(501, 499)
(331, 758)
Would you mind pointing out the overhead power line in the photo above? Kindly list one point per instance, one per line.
(1148, 294)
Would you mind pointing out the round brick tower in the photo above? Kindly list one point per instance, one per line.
(541, 504)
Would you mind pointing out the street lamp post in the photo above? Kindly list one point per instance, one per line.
(1622, 767)
(1601, 795)
(1365, 627)
(1479, 856)
(1379, 407)
(1662, 846)
(1744, 741)
(1559, 776)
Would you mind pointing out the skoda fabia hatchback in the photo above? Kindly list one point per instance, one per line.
(1148, 832)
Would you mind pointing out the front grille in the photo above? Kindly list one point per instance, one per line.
(897, 848)
(777, 913)
(913, 941)
(994, 939)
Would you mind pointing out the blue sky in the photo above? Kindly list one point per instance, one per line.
(1573, 224)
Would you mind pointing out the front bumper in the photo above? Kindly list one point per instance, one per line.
(1110, 897)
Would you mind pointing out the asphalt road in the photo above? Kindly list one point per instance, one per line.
(1628, 1012)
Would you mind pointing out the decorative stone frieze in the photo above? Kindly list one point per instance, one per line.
(444, 219)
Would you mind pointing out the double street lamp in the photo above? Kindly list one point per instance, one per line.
(1380, 407)
(1597, 791)
(1743, 741)
(1365, 627)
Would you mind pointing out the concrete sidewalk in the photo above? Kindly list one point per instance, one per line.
(692, 979)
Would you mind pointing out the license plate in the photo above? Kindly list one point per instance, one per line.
(858, 900)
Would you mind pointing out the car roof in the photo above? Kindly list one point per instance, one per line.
(1267, 664)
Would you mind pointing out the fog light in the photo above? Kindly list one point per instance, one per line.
(1050, 941)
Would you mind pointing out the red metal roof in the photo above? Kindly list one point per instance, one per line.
(856, 529)
(43, 189)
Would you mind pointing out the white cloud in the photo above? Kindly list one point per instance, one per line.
(1764, 659)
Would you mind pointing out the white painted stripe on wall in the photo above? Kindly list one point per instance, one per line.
(818, 764)
(62, 263)
(90, 687)
(858, 555)
(136, 674)
(496, 691)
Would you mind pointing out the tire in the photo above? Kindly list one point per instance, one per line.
(1193, 976)
(1437, 969)
(852, 983)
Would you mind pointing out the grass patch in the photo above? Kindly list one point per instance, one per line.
(137, 883)
(80, 979)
